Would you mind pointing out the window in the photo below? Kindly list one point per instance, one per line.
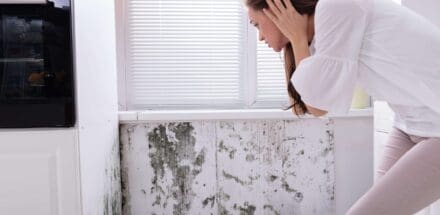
(183, 54)
(271, 82)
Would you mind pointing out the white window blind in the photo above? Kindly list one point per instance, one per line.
(271, 81)
(184, 53)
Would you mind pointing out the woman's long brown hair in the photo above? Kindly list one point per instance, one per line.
(303, 7)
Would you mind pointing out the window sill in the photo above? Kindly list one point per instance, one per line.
(248, 114)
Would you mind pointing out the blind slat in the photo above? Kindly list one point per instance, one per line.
(271, 83)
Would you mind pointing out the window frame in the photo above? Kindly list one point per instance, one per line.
(248, 70)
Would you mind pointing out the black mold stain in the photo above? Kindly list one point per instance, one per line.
(298, 195)
(294, 138)
(250, 157)
(222, 147)
(287, 188)
(126, 198)
(200, 159)
(222, 210)
(157, 201)
(112, 198)
(116, 207)
(106, 203)
(222, 197)
(247, 209)
(326, 151)
(236, 179)
(144, 192)
(207, 200)
(166, 153)
(330, 136)
(129, 129)
(272, 178)
(271, 208)
(330, 147)
(227, 125)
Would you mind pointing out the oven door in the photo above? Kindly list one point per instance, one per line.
(36, 70)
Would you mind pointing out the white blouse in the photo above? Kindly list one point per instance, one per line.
(388, 50)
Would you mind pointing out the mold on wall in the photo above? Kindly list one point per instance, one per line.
(125, 147)
(228, 167)
(112, 198)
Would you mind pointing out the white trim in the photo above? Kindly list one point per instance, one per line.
(125, 41)
(251, 65)
(120, 53)
(126, 116)
(248, 114)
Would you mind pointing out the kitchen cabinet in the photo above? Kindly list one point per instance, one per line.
(39, 172)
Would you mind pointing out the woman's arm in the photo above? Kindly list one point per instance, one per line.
(301, 50)
(315, 111)
(294, 26)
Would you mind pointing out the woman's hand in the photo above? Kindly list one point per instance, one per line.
(292, 24)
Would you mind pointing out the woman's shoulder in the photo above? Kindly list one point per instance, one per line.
(339, 11)
(341, 6)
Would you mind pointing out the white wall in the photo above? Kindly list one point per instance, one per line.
(353, 160)
(427, 8)
(97, 105)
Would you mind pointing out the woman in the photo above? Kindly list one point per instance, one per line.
(393, 54)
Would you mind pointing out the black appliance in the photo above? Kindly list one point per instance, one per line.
(36, 64)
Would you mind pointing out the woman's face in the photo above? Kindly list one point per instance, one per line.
(267, 30)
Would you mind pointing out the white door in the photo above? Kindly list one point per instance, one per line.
(39, 172)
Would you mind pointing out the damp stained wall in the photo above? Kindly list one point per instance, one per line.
(228, 167)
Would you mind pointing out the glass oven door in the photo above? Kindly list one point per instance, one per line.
(36, 70)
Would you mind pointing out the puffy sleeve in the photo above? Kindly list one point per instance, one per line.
(326, 79)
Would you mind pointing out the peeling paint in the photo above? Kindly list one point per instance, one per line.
(170, 145)
(188, 176)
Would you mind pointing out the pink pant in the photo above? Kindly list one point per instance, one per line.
(407, 179)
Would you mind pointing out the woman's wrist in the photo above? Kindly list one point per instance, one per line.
(300, 48)
(299, 39)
